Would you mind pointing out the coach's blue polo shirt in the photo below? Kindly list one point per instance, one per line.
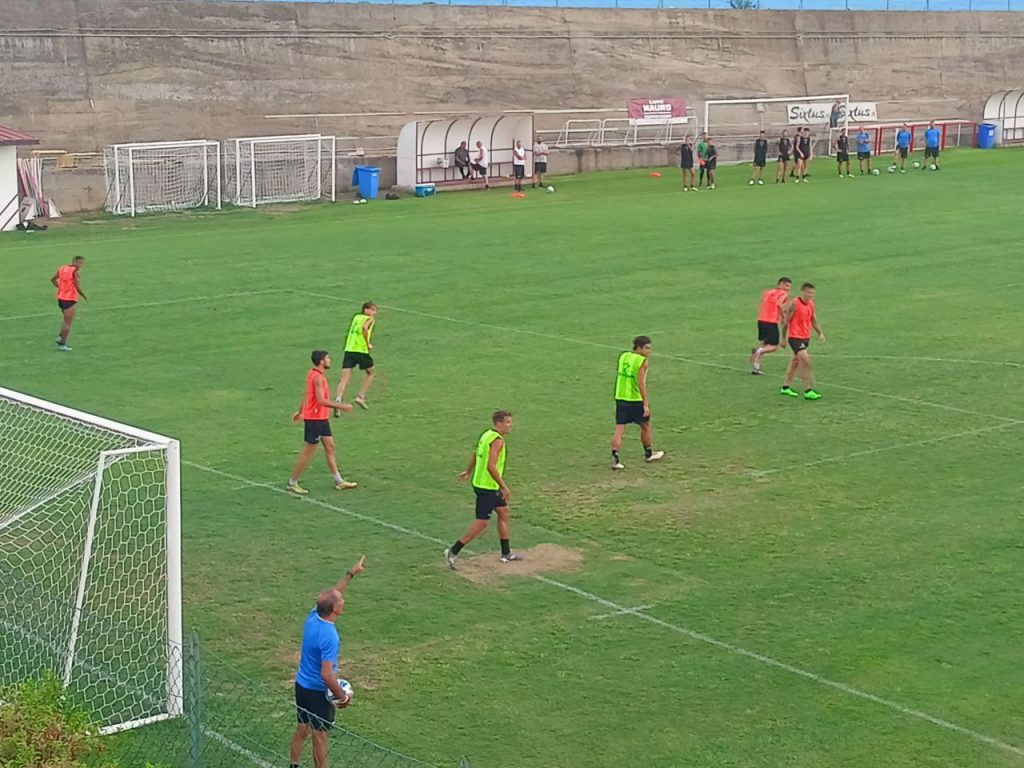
(931, 137)
(320, 643)
(863, 142)
(903, 139)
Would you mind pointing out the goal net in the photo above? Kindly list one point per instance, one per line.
(90, 560)
(279, 169)
(162, 176)
(882, 136)
(734, 124)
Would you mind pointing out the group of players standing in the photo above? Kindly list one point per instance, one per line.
(795, 154)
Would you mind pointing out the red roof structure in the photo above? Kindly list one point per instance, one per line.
(10, 137)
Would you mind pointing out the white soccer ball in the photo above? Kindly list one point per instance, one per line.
(345, 686)
(933, 167)
(355, 202)
(891, 169)
(916, 164)
(551, 189)
(875, 171)
(362, 200)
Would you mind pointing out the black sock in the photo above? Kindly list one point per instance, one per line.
(615, 456)
(456, 547)
(647, 451)
(293, 765)
(505, 548)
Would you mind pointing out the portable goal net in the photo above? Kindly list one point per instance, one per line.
(162, 176)
(734, 124)
(90, 560)
(279, 169)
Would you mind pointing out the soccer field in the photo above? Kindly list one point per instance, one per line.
(832, 583)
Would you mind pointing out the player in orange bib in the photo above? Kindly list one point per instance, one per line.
(315, 412)
(798, 319)
(772, 302)
(65, 280)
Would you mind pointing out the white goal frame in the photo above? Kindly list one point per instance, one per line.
(119, 162)
(242, 169)
(737, 140)
(170, 700)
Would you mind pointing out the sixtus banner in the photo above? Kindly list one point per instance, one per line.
(820, 112)
(643, 111)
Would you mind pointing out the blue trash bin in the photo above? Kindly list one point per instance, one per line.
(987, 135)
(367, 178)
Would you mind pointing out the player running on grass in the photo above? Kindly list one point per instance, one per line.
(65, 280)
(486, 470)
(631, 403)
(314, 411)
(357, 352)
(772, 302)
(798, 319)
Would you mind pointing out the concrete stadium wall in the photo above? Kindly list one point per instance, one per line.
(80, 74)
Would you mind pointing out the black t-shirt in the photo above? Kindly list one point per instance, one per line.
(760, 149)
(687, 155)
(843, 144)
(785, 147)
(711, 155)
(805, 145)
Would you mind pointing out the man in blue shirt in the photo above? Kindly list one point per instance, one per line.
(863, 139)
(903, 147)
(932, 141)
(317, 675)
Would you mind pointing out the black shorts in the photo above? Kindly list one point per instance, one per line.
(931, 152)
(540, 167)
(360, 359)
(768, 333)
(313, 708)
(64, 304)
(687, 165)
(863, 155)
(760, 162)
(519, 171)
(711, 165)
(783, 158)
(903, 152)
(798, 345)
(487, 501)
(315, 429)
(630, 412)
(842, 157)
(481, 169)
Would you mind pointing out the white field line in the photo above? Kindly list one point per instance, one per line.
(679, 358)
(626, 612)
(234, 746)
(143, 305)
(887, 448)
(636, 612)
(900, 358)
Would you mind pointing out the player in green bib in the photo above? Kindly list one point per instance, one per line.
(357, 352)
(486, 471)
(631, 403)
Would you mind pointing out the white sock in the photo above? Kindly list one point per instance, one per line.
(337, 477)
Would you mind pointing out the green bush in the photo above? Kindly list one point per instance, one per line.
(41, 728)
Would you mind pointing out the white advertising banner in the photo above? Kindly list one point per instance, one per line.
(820, 112)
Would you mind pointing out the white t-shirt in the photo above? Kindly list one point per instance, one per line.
(518, 155)
(483, 155)
(540, 152)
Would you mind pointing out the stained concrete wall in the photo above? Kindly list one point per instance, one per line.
(80, 74)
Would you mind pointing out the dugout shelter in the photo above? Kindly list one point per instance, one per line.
(426, 147)
(10, 140)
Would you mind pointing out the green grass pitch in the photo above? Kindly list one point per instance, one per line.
(826, 584)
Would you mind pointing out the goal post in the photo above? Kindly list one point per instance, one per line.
(734, 124)
(90, 560)
(280, 169)
(162, 176)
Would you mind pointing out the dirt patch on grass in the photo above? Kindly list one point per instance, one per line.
(488, 571)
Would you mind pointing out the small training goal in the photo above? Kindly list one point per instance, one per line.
(162, 176)
(279, 169)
